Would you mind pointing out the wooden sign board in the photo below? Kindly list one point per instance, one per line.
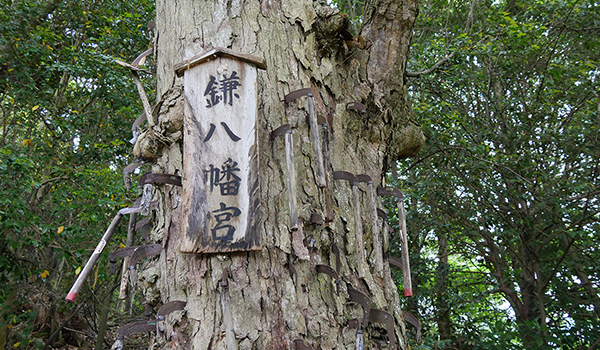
(221, 196)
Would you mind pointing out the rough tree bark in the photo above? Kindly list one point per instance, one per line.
(304, 44)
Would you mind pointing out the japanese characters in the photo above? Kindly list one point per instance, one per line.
(220, 177)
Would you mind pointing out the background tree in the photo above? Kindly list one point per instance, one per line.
(304, 44)
(65, 116)
(509, 176)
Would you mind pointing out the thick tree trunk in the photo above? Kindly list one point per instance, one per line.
(274, 296)
(443, 310)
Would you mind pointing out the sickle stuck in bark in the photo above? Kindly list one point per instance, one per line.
(291, 178)
(358, 230)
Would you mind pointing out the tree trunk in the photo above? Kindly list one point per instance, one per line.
(267, 299)
(442, 280)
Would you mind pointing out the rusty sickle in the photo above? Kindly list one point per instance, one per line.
(152, 178)
(128, 170)
(316, 219)
(141, 252)
(137, 327)
(328, 270)
(355, 323)
(144, 226)
(386, 238)
(363, 300)
(291, 176)
(410, 318)
(230, 340)
(119, 253)
(403, 235)
(360, 245)
(338, 262)
(358, 107)
(87, 269)
(314, 131)
(396, 262)
(147, 181)
(302, 345)
(169, 307)
(144, 251)
(136, 127)
(377, 247)
(385, 318)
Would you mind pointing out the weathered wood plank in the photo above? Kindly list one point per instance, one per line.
(220, 200)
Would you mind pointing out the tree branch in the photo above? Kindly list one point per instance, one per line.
(430, 70)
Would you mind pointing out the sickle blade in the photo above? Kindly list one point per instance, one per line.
(361, 299)
(386, 319)
(143, 252)
(169, 307)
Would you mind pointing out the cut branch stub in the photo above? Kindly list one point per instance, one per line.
(385, 318)
(136, 127)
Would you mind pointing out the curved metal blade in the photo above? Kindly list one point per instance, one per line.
(149, 178)
(141, 58)
(136, 327)
(144, 251)
(170, 307)
(385, 318)
(296, 94)
(363, 300)
(302, 345)
(394, 192)
(395, 262)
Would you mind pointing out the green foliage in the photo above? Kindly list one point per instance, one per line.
(510, 171)
(65, 114)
